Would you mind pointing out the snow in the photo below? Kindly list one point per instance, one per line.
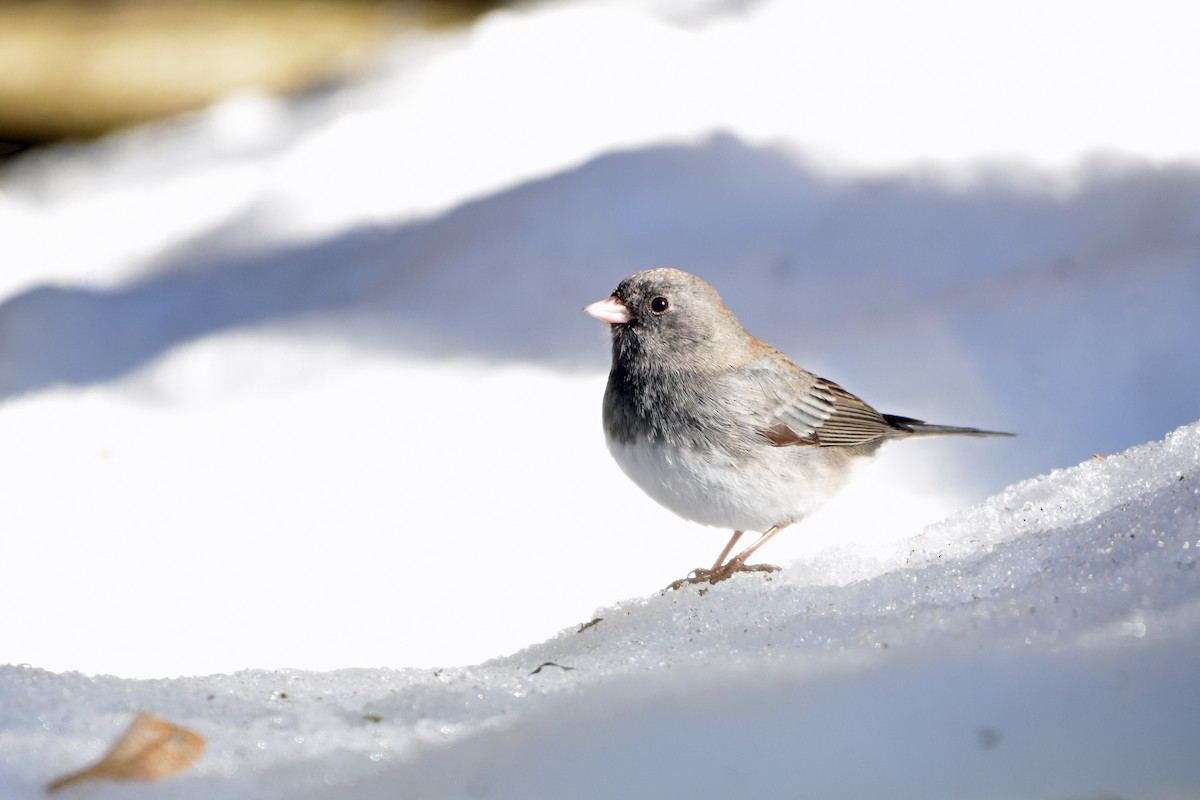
(297, 396)
(1040, 644)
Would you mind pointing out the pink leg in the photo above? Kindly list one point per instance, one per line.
(738, 562)
(724, 569)
(725, 553)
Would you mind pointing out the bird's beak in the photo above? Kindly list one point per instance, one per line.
(612, 311)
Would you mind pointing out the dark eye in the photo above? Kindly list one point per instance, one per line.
(659, 305)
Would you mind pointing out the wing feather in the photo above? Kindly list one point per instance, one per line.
(809, 410)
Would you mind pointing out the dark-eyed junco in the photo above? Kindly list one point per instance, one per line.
(722, 428)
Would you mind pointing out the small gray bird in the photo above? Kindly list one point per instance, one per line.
(719, 426)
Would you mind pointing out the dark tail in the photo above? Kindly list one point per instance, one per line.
(918, 428)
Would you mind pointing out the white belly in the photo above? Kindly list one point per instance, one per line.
(783, 485)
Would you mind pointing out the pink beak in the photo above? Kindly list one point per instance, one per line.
(612, 311)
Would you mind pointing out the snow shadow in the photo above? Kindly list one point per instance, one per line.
(1034, 290)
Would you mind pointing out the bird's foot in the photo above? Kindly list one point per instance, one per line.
(724, 572)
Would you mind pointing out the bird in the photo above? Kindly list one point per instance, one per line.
(722, 428)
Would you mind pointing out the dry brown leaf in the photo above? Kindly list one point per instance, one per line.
(152, 748)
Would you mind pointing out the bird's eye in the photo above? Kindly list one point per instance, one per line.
(659, 305)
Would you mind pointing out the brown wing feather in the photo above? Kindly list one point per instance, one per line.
(852, 421)
(825, 415)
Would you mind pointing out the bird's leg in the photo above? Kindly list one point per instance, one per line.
(725, 553)
(699, 574)
(738, 562)
(725, 569)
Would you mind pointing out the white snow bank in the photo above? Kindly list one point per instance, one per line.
(319, 433)
(1039, 645)
(291, 363)
(271, 500)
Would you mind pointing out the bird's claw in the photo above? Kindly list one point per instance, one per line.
(724, 572)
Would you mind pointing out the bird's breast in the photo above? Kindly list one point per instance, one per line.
(713, 487)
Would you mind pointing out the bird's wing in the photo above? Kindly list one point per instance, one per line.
(803, 409)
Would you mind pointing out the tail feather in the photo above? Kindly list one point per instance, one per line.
(918, 427)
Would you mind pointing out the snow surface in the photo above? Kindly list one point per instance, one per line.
(1042, 644)
(297, 385)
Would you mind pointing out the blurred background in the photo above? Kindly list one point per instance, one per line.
(82, 68)
(292, 365)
